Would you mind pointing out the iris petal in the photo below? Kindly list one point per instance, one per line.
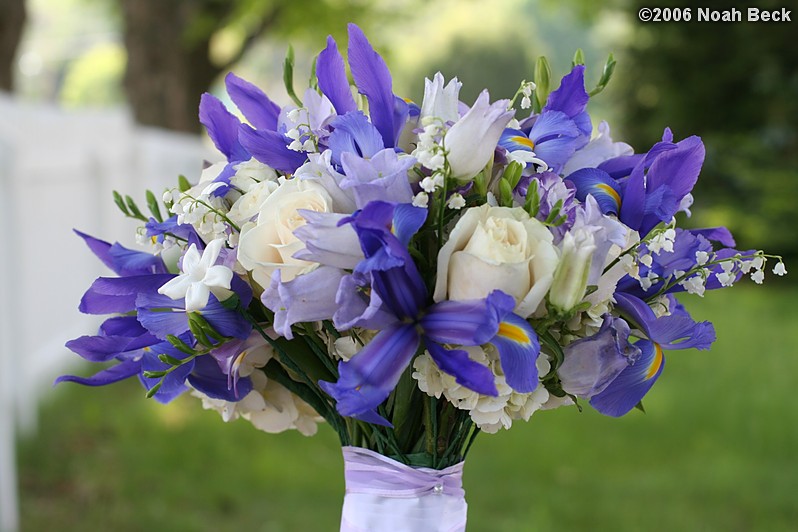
(600, 185)
(466, 372)
(271, 148)
(633, 383)
(222, 127)
(473, 322)
(367, 378)
(518, 347)
(121, 371)
(373, 79)
(331, 73)
(259, 110)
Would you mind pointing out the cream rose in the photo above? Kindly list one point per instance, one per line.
(249, 204)
(269, 243)
(497, 248)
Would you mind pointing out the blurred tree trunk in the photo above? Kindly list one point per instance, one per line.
(169, 64)
(12, 23)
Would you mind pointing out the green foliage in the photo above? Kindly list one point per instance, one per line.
(543, 83)
(288, 75)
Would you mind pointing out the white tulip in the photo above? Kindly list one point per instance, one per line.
(471, 141)
(439, 101)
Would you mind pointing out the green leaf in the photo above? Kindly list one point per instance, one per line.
(415, 459)
(183, 183)
(554, 346)
(196, 329)
(275, 371)
(134, 209)
(407, 402)
(313, 83)
(206, 328)
(152, 205)
(555, 212)
(579, 58)
(152, 391)
(179, 344)
(532, 203)
(288, 75)
(120, 203)
(505, 193)
(303, 356)
(232, 302)
(606, 76)
(172, 361)
(513, 173)
(154, 374)
(542, 82)
(639, 406)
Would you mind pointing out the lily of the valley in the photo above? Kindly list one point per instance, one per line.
(201, 276)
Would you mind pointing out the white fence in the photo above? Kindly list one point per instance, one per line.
(57, 172)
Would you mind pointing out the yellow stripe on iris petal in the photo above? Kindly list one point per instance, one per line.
(656, 363)
(611, 191)
(523, 141)
(513, 332)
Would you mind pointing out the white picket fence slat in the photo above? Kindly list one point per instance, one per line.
(57, 171)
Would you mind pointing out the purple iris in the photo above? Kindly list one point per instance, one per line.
(136, 339)
(644, 190)
(266, 138)
(562, 127)
(676, 331)
(410, 322)
(240, 142)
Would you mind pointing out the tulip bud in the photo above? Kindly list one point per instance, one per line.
(570, 279)
(471, 141)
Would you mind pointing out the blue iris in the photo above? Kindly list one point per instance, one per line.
(366, 380)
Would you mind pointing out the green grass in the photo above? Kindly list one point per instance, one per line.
(716, 451)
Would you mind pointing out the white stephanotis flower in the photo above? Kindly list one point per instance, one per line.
(201, 276)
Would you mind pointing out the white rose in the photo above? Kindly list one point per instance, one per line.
(269, 244)
(497, 248)
(251, 172)
(250, 203)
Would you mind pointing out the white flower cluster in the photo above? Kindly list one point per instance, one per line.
(490, 414)
(270, 407)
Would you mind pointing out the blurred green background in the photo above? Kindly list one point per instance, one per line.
(717, 448)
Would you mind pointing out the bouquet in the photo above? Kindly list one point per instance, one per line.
(410, 275)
